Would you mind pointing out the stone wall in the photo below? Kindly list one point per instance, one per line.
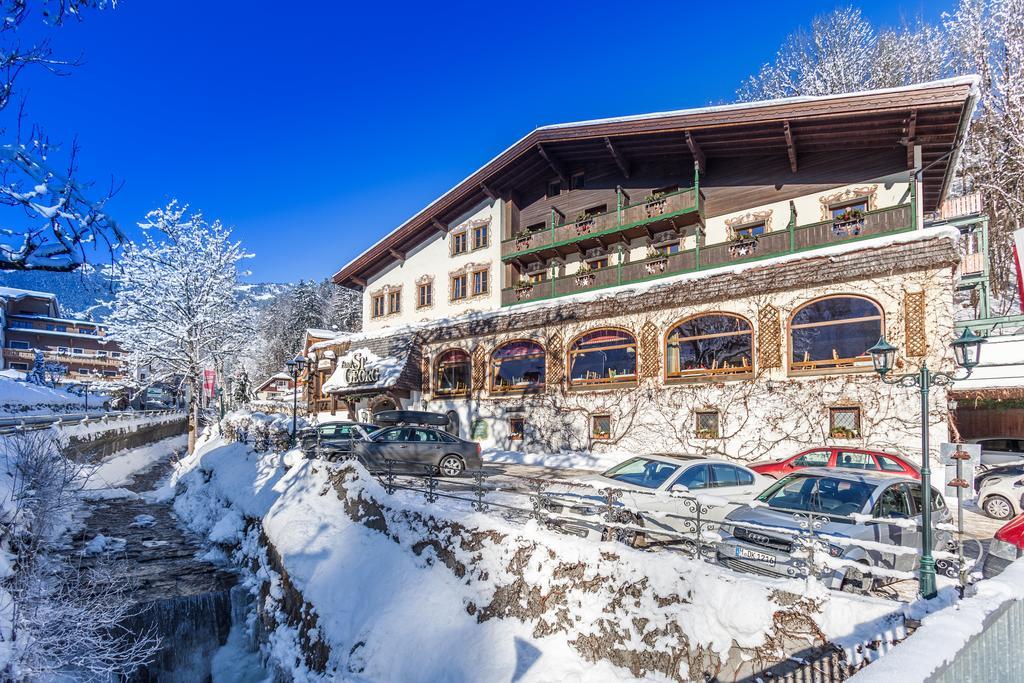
(100, 444)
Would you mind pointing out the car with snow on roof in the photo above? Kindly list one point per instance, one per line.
(652, 496)
(867, 524)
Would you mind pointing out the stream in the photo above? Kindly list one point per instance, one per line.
(192, 605)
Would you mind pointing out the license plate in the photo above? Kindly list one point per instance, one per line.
(754, 555)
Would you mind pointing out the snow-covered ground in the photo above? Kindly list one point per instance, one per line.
(407, 597)
(583, 460)
(119, 469)
(23, 398)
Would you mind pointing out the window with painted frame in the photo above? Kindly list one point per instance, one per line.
(425, 294)
(394, 302)
(460, 242)
(481, 284)
(459, 287)
(481, 236)
(377, 306)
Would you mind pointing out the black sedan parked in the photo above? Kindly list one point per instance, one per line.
(331, 440)
(415, 447)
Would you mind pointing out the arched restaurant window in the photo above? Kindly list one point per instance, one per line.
(606, 356)
(453, 373)
(834, 333)
(708, 346)
(517, 366)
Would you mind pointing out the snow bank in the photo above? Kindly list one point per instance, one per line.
(943, 634)
(372, 571)
(22, 398)
(119, 469)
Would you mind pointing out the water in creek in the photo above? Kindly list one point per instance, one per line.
(192, 605)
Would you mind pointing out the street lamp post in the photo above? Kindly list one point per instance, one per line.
(295, 368)
(966, 352)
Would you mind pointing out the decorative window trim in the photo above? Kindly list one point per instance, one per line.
(706, 432)
(454, 237)
(841, 431)
(737, 223)
(597, 434)
(394, 294)
(864, 367)
(850, 194)
(467, 272)
(717, 375)
(421, 282)
(385, 292)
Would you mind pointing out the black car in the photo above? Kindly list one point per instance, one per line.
(415, 448)
(331, 440)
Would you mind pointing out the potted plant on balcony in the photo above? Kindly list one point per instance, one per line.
(584, 223)
(585, 275)
(655, 204)
(742, 244)
(848, 223)
(524, 288)
(656, 261)
(523, 240)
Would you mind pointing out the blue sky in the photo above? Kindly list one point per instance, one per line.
(315, 128)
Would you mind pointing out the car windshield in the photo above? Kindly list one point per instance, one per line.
(830, 495)
(644, 472)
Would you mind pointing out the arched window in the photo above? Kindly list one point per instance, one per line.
(834, 332)
(452, 373)
(518, 366)
(711, 345)
(602, 357)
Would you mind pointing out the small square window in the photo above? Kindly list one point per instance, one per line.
(460, 243)
(844, 423)
(554, 188)
(577, 182)
(707, 424)
(601, 426)
(425, 295)
(516, 428)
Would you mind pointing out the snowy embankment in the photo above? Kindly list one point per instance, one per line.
(117, 422)
(23, 398)
(357, 583)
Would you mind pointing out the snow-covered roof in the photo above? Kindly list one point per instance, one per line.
(970, 82)
(380, 362)
(276, 377)
(1001, 366)
(15, 293)
(55, 333)
(47, 318)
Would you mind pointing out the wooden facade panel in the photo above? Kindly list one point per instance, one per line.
(978, 423)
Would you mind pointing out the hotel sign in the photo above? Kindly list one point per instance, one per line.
(356, 371)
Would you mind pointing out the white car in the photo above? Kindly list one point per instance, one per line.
(658, 492)
(1000, 451)
(1000, 494)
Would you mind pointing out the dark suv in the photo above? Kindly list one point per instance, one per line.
(332, 440)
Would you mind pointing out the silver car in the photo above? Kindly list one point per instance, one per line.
(868, 506)
(414, 448)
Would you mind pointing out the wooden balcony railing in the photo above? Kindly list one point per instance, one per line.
(972, 264)
(793, 239)
(29, 356)
(560, 232)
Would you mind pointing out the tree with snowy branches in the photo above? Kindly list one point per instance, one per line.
(178, 307)
(843, 52)
(51, 222)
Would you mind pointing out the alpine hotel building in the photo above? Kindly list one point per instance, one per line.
(705, 280)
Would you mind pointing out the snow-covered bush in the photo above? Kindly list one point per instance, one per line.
(267, 431)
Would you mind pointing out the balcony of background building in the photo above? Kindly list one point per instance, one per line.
(29, 356)
(792, 239)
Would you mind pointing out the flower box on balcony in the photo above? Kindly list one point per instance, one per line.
(656, 264)
(655, 205)
(523, 242)
(584, 224)
(585, 278)
(743, 246)
(524, 291)
(848, 224)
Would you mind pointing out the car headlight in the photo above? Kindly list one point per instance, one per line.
(1018, 484)
(991, 480)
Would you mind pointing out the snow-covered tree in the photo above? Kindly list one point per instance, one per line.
(178, 307)
(51, 223)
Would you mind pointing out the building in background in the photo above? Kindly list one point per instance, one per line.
(32, 321)
(706, 280)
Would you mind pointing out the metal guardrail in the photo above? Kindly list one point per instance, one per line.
(31, 422)
(994, 655)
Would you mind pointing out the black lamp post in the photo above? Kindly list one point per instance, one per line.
(295, 367)
(966, 352)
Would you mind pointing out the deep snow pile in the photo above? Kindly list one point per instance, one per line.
(24, 398)
(353, 582)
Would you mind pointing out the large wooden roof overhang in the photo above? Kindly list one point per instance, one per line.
(933, 116)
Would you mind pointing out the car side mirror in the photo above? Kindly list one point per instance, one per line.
(682, 488)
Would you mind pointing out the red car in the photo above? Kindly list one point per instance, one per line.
(843, 458)
(1006, 547)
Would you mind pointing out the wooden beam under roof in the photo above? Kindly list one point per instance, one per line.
(555, 166)
(488, 191)
(911, 135)
(619, 159)
(790, 146)
(697, 152)
(396, 254)
(441, 227)
(358, 281)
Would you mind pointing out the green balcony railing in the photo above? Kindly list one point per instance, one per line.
(561, 232)
(791, 240)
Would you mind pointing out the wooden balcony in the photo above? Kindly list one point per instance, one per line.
(560, 236)
(705, 257)
(29, 356)
(972, 264)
